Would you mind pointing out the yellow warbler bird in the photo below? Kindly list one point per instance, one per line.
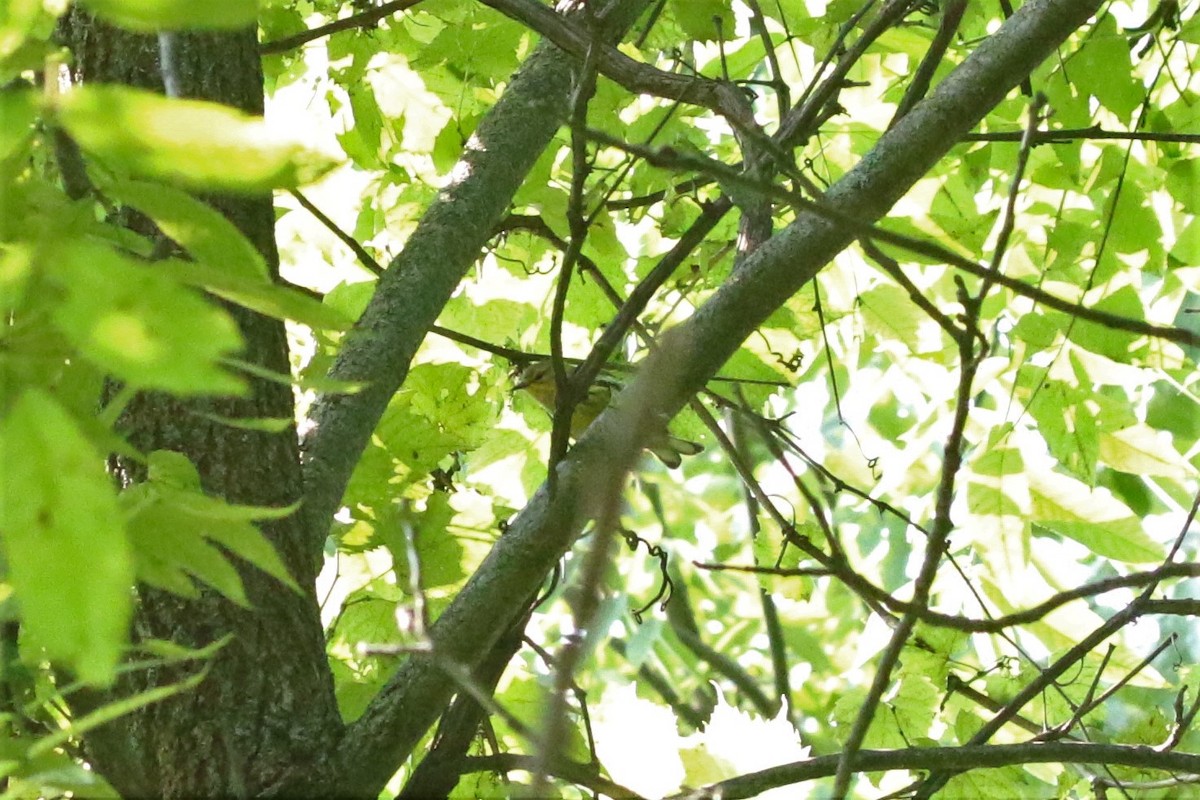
(537, 378)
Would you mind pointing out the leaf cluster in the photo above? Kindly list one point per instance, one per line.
(939, 479)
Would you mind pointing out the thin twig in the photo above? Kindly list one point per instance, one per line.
(1096, 132)
(346, 23)
(674, 159)
(366, 259)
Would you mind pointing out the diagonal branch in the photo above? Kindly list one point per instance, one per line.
(640, 78)
(344, 24)
(419, 282)
(846, 218)
(912, 759)
(690, 354)
(960, 758)
(1050, 674)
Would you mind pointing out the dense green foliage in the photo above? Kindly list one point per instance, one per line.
(963, 457)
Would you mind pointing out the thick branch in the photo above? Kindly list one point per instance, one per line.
(695, 349)
(957, 759)
(639, 78)
(668, 158)
(419, 282)
(377, 353)
(690, 354)
(571, 772)
(344, 24)
(917, 758)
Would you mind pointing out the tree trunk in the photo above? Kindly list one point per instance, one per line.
(266, 707)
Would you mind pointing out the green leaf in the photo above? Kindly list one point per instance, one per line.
(168, 468)
(1121, 540)
(55, 773)
(448, 145)
(1004, 782)
(1135, 228)
(200, 144)
(907, 712)
(772, 550)
(229, 525)
(1102, 68)
(1175, 412)
(1037, 329)
(25, 27)
(368, 621)
(155, 15)
(142, 326)
(1115, 344)
(497, 317)
(1092, 517)
(64, 539)
(1182, 179)
(1000, 457)
(1063, 419)
(174, 526)
(16, 270)
(355, 688)
(704, 20)
(263, 296)
(262, 424)
(247, 542)
(1141, 450)
(439, 552)
(363, 141)
(894, 316)
(19, 110)
(913, 703)
(169, 546)
(349, 298)
(525, 699)
(1186, 249)
(175, 652)
(990, 501)
(442, 409)
(194, 225)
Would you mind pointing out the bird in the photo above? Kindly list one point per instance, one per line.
(537, 378)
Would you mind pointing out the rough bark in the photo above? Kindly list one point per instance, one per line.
(265, 720)
(690, 354)
(267, 703)
(419, 281)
